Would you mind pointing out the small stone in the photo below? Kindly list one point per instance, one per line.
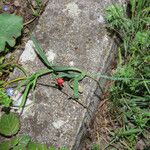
(140, 145)
(80, 88)
(16, 3)
(71, 63)
(101, 19)
(73, 9)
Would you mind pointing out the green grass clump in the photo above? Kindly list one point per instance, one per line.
(131, 97)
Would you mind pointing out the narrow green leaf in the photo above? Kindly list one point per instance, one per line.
(25, 94)
(66, 75)
(14, 141)
(63, 148)
(20, 147)
(51, 148)
(36, 146)
(146, 114)
(40, 52)
(133, 5)
(76, 85)
(24, 140)
(129, 132)
(142, 37)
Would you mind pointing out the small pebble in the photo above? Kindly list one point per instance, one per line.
(80, 88)
(16, 3)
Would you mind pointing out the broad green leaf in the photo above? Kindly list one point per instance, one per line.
(4, 99)
(9, 124)
(6, 145)
(17, 143)
(10, 28)
(36, 146)
(22, 140)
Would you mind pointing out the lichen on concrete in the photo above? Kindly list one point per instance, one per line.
(50, 55)
(73, 9)
(29, 53)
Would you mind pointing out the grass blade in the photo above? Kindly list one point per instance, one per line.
(40, 52)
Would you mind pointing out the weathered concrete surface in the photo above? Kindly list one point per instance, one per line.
(72, 33)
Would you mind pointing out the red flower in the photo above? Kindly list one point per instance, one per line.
(60, 82)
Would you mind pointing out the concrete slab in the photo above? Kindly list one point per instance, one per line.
(72, 33)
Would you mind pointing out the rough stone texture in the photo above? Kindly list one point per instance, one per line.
(72, 33)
